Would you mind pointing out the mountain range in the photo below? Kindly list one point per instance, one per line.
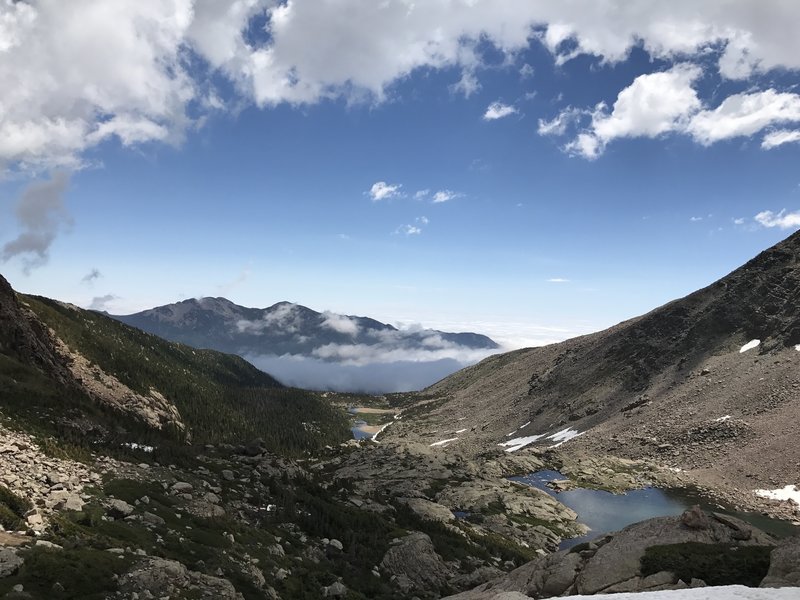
(131, 465)
(320, 350)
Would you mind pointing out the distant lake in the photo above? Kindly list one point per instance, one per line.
(604, 512)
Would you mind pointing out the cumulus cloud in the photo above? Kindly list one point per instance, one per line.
(654, 104)
(41, 215)
(498, 110)
(666, 102)
(76, 74)
(91, 276)
(782, 220)
(381, 190)
(421, 194)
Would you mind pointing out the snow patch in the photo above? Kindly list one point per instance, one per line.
(519, 443)
(797, 347)
(512, 433)
(723, 419)
(564, 436)
(526, 424)
(749, 346)
(724, 592)
(790, 492)
(444, 442)
(461, 430)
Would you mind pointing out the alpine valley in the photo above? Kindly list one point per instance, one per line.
(135, 467)
(323, 351)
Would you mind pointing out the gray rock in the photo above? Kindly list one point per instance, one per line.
(182, 487)
(119, 508)
(413, 561)
(335, 590)
(228, 475)
(336, 544)
(153, 519)
(784, 565)
(9, 561)
(161, 577)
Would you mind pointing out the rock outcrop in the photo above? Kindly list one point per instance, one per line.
(613, 563)
(415, 566)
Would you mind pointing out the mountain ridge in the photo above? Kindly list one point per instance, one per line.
(282, 328)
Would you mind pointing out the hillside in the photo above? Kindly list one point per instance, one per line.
(679, 384)
(89, 379)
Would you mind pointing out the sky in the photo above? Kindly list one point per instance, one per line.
(526, 169)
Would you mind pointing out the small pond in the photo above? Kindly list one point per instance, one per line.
(603, 511)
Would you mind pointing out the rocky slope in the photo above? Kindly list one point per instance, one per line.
(673, 385)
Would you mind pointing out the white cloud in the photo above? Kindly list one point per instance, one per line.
(421, 194)
(422, 220)
(340, 323)
(284, 316)
(654, 104)
(558, 125)
(526, 71)
(444, 196)
(558, 280)
(666, 102)
(75, 74)
(695, 219)
(782, 220)
(498, 110)
(744, 115)
(408, 230)
(738, 221)
(383, 191)
(777, 138)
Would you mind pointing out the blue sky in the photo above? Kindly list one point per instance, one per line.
(216, 183)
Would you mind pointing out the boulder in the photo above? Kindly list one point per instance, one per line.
(415, 564)
(10, 561)
(784, 565)
(119, 508)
